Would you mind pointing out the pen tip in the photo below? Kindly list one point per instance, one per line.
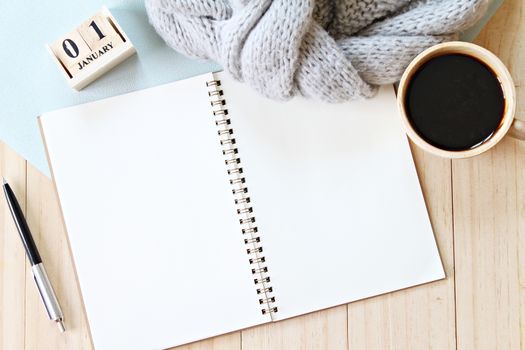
(61, 326)
(4, 182)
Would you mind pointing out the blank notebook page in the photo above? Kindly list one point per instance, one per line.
(336, 198)
(150, 218)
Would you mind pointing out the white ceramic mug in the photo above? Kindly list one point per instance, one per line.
(509, 124)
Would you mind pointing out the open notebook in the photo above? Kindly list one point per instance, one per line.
(198, 208)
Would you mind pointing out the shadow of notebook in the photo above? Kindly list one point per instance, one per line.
(328, 208)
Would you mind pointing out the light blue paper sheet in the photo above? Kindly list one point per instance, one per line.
(31, 84)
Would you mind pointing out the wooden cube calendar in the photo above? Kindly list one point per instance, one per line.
(92, 49)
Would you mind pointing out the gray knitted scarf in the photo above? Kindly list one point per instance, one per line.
(333, 50)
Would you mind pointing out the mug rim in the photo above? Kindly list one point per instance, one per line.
(487, 58)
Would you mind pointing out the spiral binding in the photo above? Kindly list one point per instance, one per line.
(242, 200)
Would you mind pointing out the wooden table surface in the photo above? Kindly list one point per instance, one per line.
(477, 208)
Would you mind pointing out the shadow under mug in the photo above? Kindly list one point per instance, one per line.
(508, 124)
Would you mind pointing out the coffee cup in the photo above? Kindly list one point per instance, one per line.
(458, 100)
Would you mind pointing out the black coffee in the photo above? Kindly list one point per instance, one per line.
(455, 102)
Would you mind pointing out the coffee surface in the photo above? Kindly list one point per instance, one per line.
(455, 102)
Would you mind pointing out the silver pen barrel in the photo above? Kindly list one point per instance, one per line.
(48, 295)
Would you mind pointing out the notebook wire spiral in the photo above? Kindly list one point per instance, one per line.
(243, 204)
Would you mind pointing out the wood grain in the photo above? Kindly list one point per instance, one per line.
(12, 257)
(488, 200)
(487, 250)
(319, 330)
(45, 219)
(477, 209)
(230, 341)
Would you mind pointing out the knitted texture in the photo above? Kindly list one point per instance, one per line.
(333, 50)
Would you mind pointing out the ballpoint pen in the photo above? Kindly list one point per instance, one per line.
(39, 273)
